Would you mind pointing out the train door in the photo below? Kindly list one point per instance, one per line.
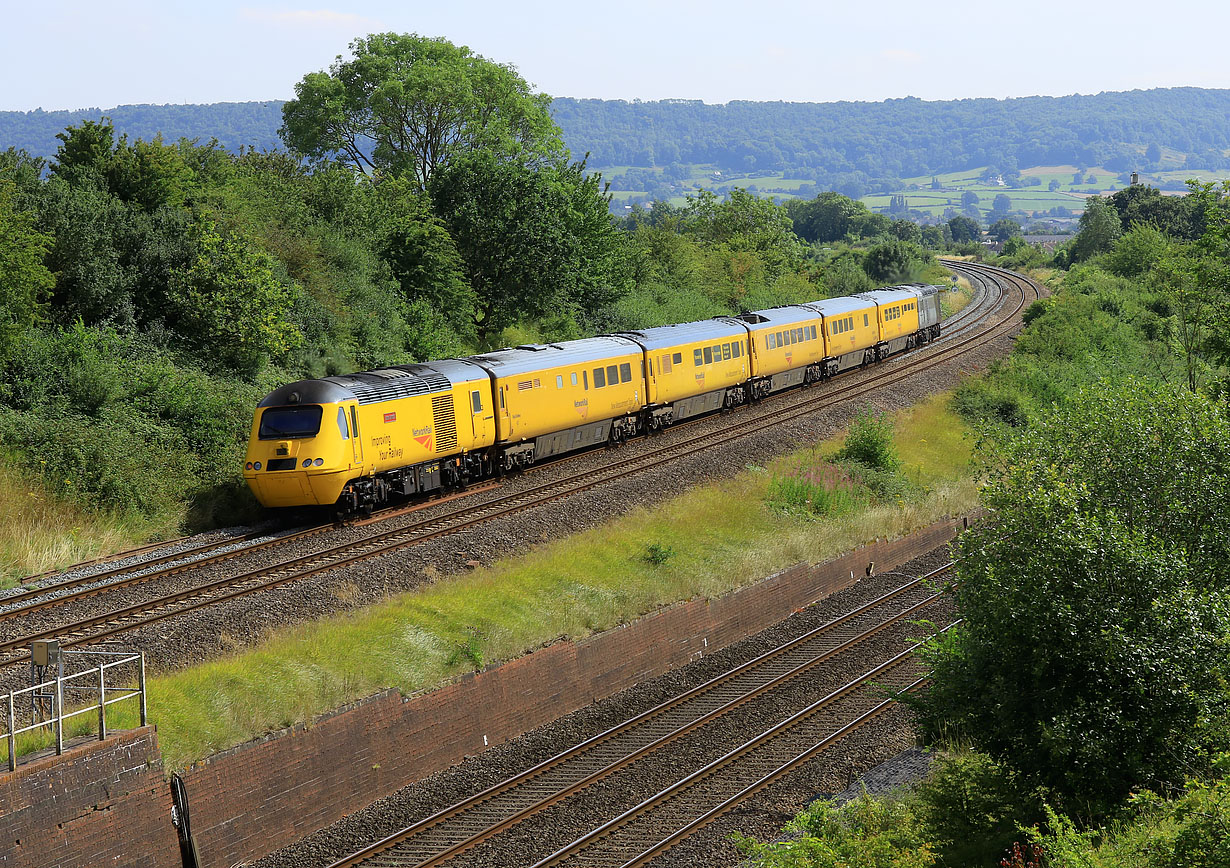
(504, 422)
(355, 440)
(480, 415)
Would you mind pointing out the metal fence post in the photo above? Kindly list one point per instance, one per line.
(142, 687)
(102, 703)
(59, 713)
(12, 736)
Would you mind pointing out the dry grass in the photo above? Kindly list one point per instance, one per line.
(40, 532)
(705, 542)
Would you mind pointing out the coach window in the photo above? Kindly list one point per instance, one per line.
(574, 378)
(725, 352)
(476, 401)
(677, 359)
(559, 381)
(612, 374)
(708, 355)
(341, 423)
(768, 341)
(698, 358)
(599, 378)
(625, 372)
(736, 350)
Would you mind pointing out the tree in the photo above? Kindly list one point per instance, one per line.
(1153, 153)
(744, 222)
(1139, 203)
(893, 262)
(24, 280)
(533, 241)
(1137, 250)
(906, 230)
(408, 104)
(229, 305)
(964, 229)
(1091, 658)
(423, 256)
(825, 218)
(1002, 230)
(1000, 206)
(1097, 230)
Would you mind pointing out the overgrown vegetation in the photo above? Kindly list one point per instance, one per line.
(1090, 671)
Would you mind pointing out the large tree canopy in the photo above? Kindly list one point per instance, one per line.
(405, 104)
(535, 242)
(1092, 656)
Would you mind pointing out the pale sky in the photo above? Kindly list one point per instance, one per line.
(70, 55)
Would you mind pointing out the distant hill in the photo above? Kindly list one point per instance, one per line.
(233, 124)
(854, 147)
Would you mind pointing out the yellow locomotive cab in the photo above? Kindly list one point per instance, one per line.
(356, 439)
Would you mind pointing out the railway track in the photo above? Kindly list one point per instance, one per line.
(962, 334)
(448, 835)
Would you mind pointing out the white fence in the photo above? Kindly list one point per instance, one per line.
(51, 703)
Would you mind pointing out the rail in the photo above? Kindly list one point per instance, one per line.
(74, 686)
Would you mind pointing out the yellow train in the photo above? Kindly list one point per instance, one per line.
(357, 440)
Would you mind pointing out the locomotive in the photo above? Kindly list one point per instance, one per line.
(356, 440)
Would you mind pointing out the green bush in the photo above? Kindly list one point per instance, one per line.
(870, 441)
(973, 807)
(828, 489)
(115, 423)
(862, 833)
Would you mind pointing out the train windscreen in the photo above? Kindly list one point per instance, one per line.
(281, 423)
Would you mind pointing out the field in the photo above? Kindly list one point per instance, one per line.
(1036, 200)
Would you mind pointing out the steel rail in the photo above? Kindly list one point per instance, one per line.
(879, 674)
(748, 681)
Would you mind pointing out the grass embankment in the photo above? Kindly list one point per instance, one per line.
(705, 542)
(41, 531)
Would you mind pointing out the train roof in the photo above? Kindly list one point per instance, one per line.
(775, 316)
(660, 337)
(384, 384)
(890, 294)
(838, 306)
(535, 357)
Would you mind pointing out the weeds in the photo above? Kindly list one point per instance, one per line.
(658, 554)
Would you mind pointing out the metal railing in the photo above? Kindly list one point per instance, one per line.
(46, 700)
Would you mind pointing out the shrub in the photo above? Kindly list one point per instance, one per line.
(825, 490)
(870, 441)
(658, 554)
(864, 832)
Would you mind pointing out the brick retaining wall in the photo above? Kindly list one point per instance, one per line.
(102, 803)
(249, 800)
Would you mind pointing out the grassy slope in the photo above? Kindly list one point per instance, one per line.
(722, 536)
(41, 532)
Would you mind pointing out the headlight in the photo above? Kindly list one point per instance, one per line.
(319, 461)
(248, 466)
(307, 462)
(256, 465)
